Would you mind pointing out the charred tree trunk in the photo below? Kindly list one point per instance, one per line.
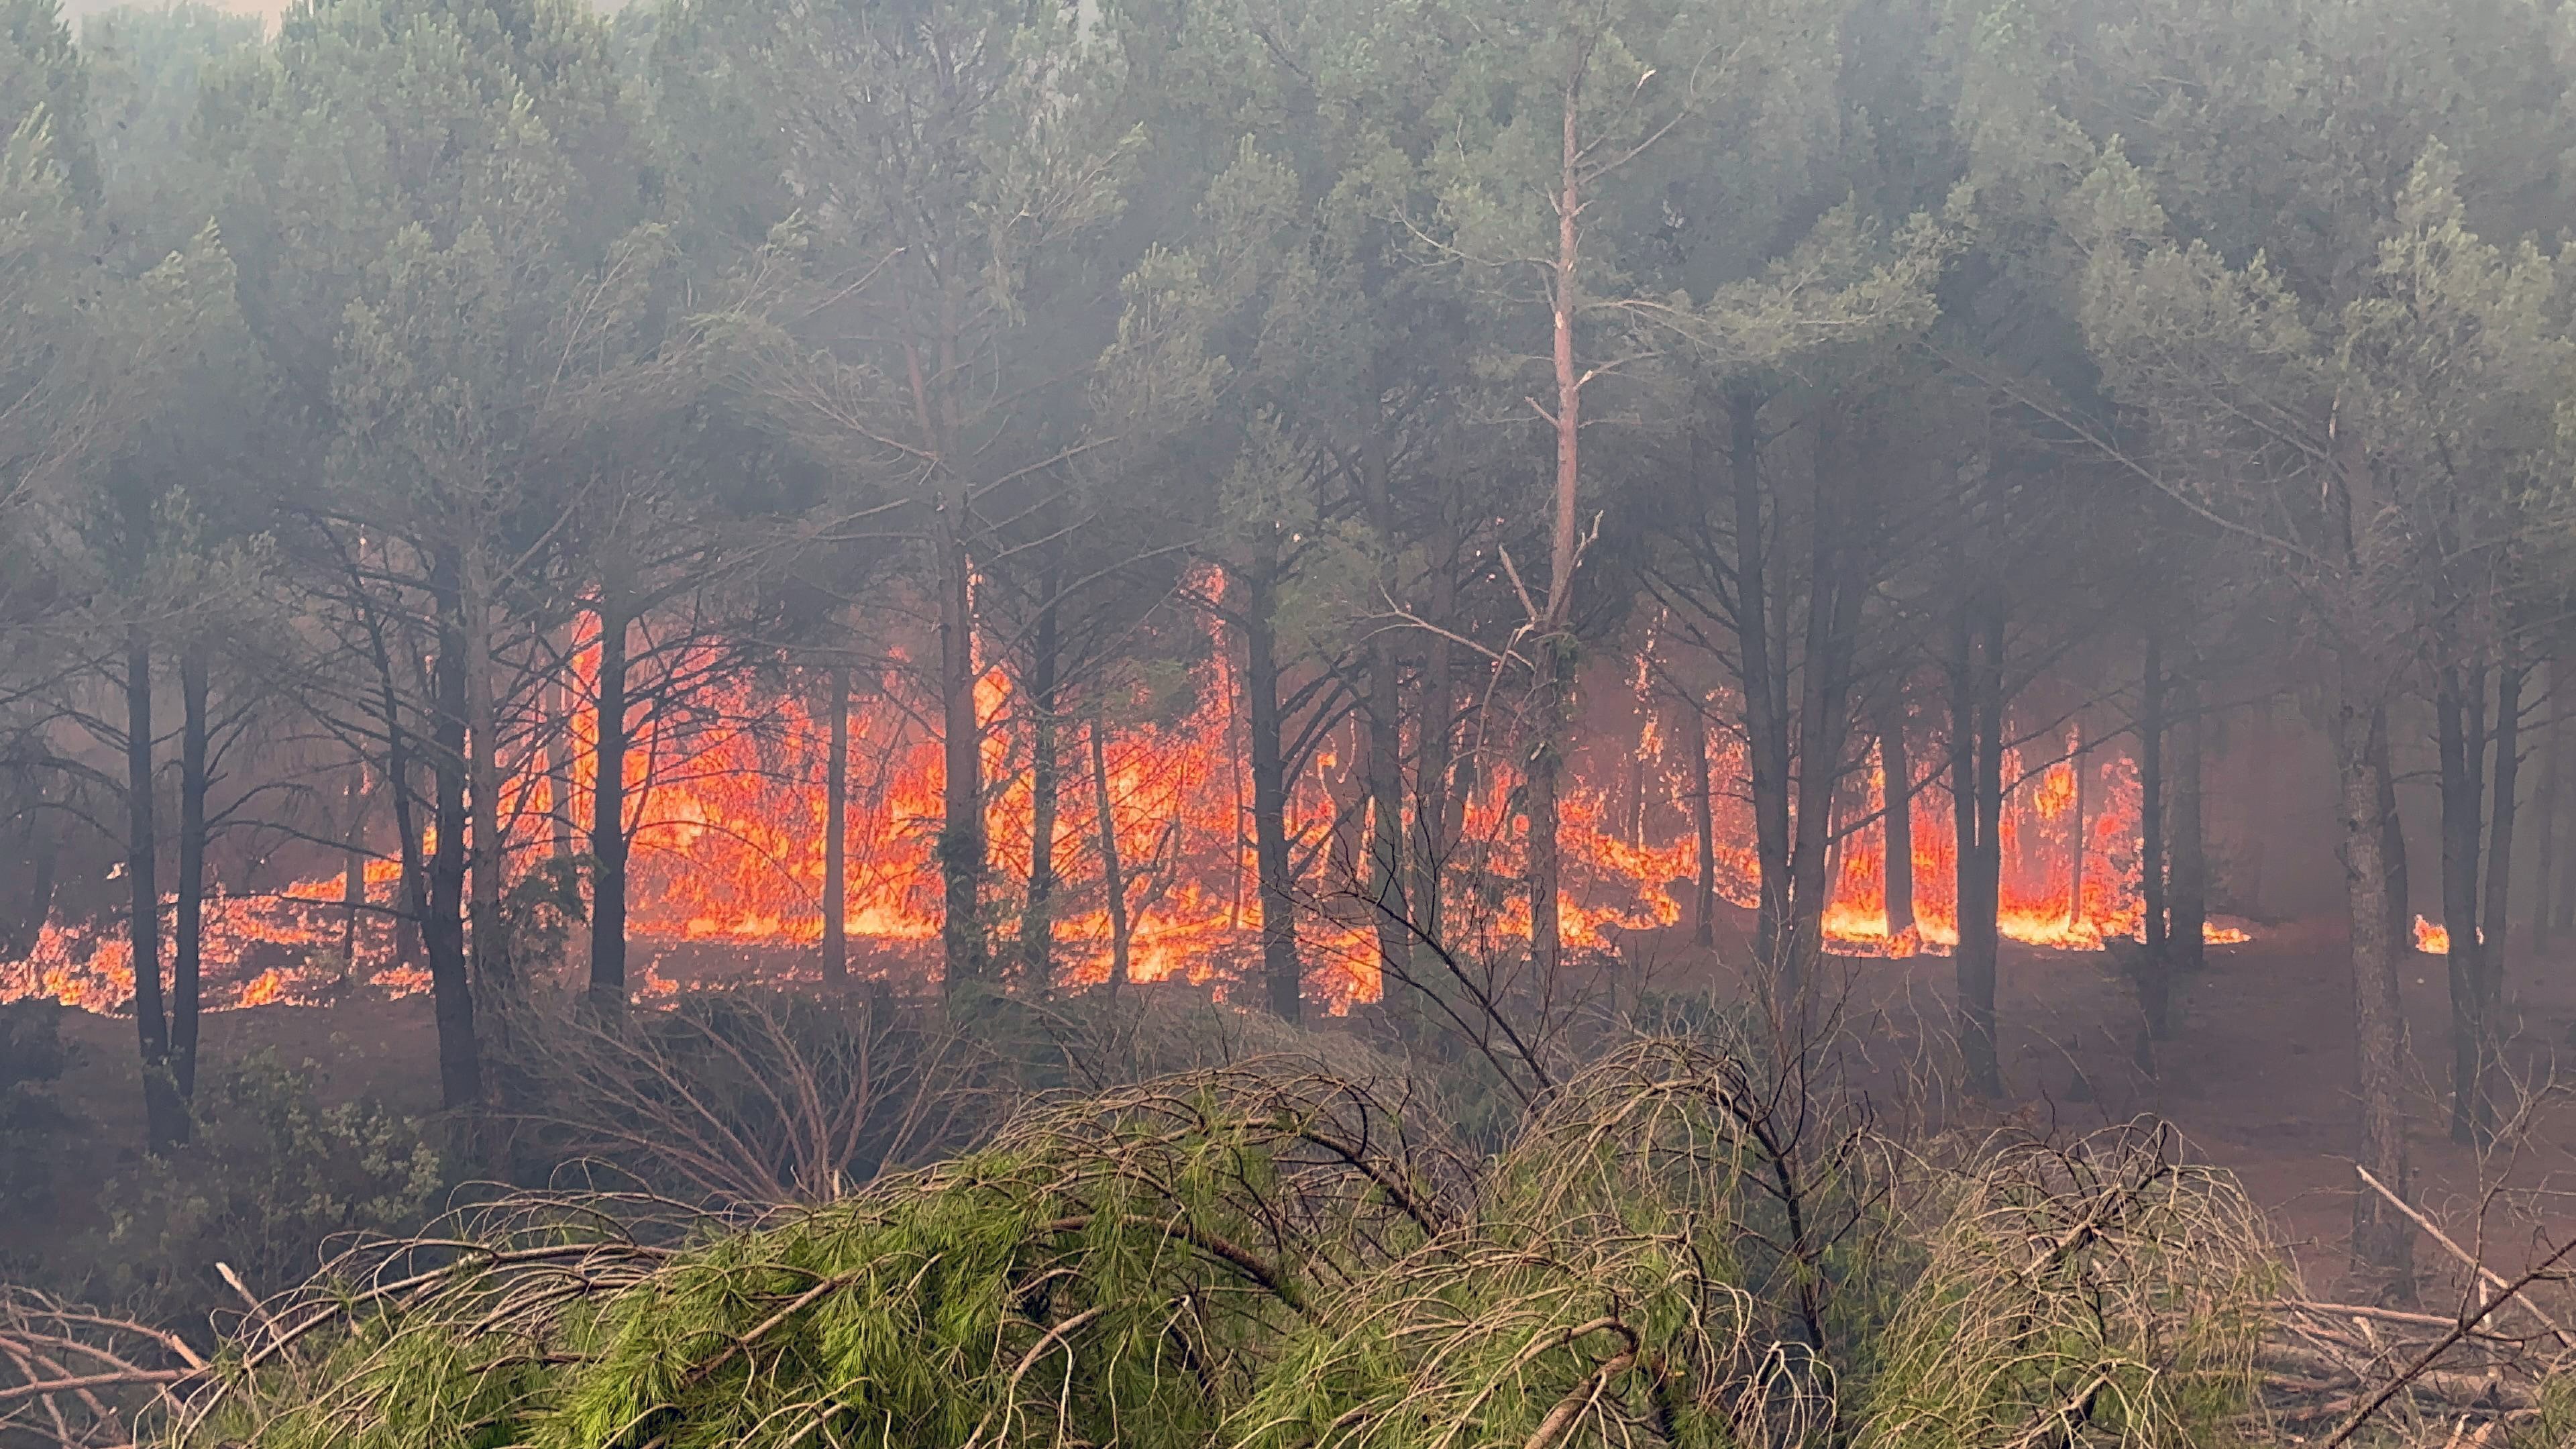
(558, 756)
(165, 1115)
(962, 845)
(1704, 832)
(1824, 712)
(1896, 825)
(2497, 917)
(353, 872)
(2460, 719)
(836, 834)
(2155, 964)
(2082, 764)
(608, 818)
(188, 933)
(1555, 641)
(1545, 777)
(442, 923)
(2398, 892)
(1433, 789)
(2544, 806)
(2382, 1239)
(1046, 782)
(1765, 685)
(1279, 965)
(2188, 899)
(1113, 874)
(495, 978)
(1975, 660)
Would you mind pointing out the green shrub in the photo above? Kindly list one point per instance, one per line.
(268, 1178)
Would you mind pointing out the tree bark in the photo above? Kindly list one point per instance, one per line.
(353, 871)
(608, 818)
(1046, 782)
(188, 933)
(442, 924)
(165, 1115)
(1113, 873)
(836, 834)
(1765, 686)
(1704, 832)
(2399, 893)
(495, 977)
(1546, 765)
(2460, 719)
(1434, 791)
(1824, 714)
(1896, 823)
(1386, 878)
(2544, 805)
(2155, 964)
(1279, 965)
(2497, 916)
(962, 843)
(1972, 821)
(2082, 764)
(2382, 1239)
(2188, 902)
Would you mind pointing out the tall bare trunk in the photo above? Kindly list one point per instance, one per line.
(188, 932)
(165, 1116)
(1046, 783)
(1386, 878)
(1556, 659)
(1824, 710)
(836, 835)
(2155, 964)
(1434, 787)
(962, 844)
(2382, 1239)
(1765, 684)
(2082, 764)
(558, 765)
(1975, 654)
(608, 817)
(495, 974)
(1113, 873)
(1279, 964)
(2399, 895)
(1896, 825)
(2497, 916)
(2189, 896)
(2544, 805)
(1703, 830)
(353, 869)
(442, 924)
(2460, 720)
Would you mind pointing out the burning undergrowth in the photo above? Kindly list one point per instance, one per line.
(726, 808)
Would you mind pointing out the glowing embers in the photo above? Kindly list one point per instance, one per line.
(2435, 940)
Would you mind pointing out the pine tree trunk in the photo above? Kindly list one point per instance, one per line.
(1977, 949)
(1433, 785)
(2082, 764)
(2189, 897)
(1765, 687)
(353, 871)
(460, 1053)
(2382, 1239)
(558, 755)
(2460, 717)
(1824, 715)
(1279, 965)
(187, 953)
(2497, 916)
(1704, 832)
(442, 924)
(495, 976)
(1113, 874)
(2544, 806)
(2155, 964)
(1896, 822)
(836, 834)
(1547, 754)
(2399, 895)
(165, 1116)
(1046, 782)
(962, 844)
(608, 819)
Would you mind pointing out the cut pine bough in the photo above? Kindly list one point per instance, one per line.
(1276, 1256)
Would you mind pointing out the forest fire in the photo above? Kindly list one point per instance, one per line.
(726, 807)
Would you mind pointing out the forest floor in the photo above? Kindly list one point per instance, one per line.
(2257, 1077)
